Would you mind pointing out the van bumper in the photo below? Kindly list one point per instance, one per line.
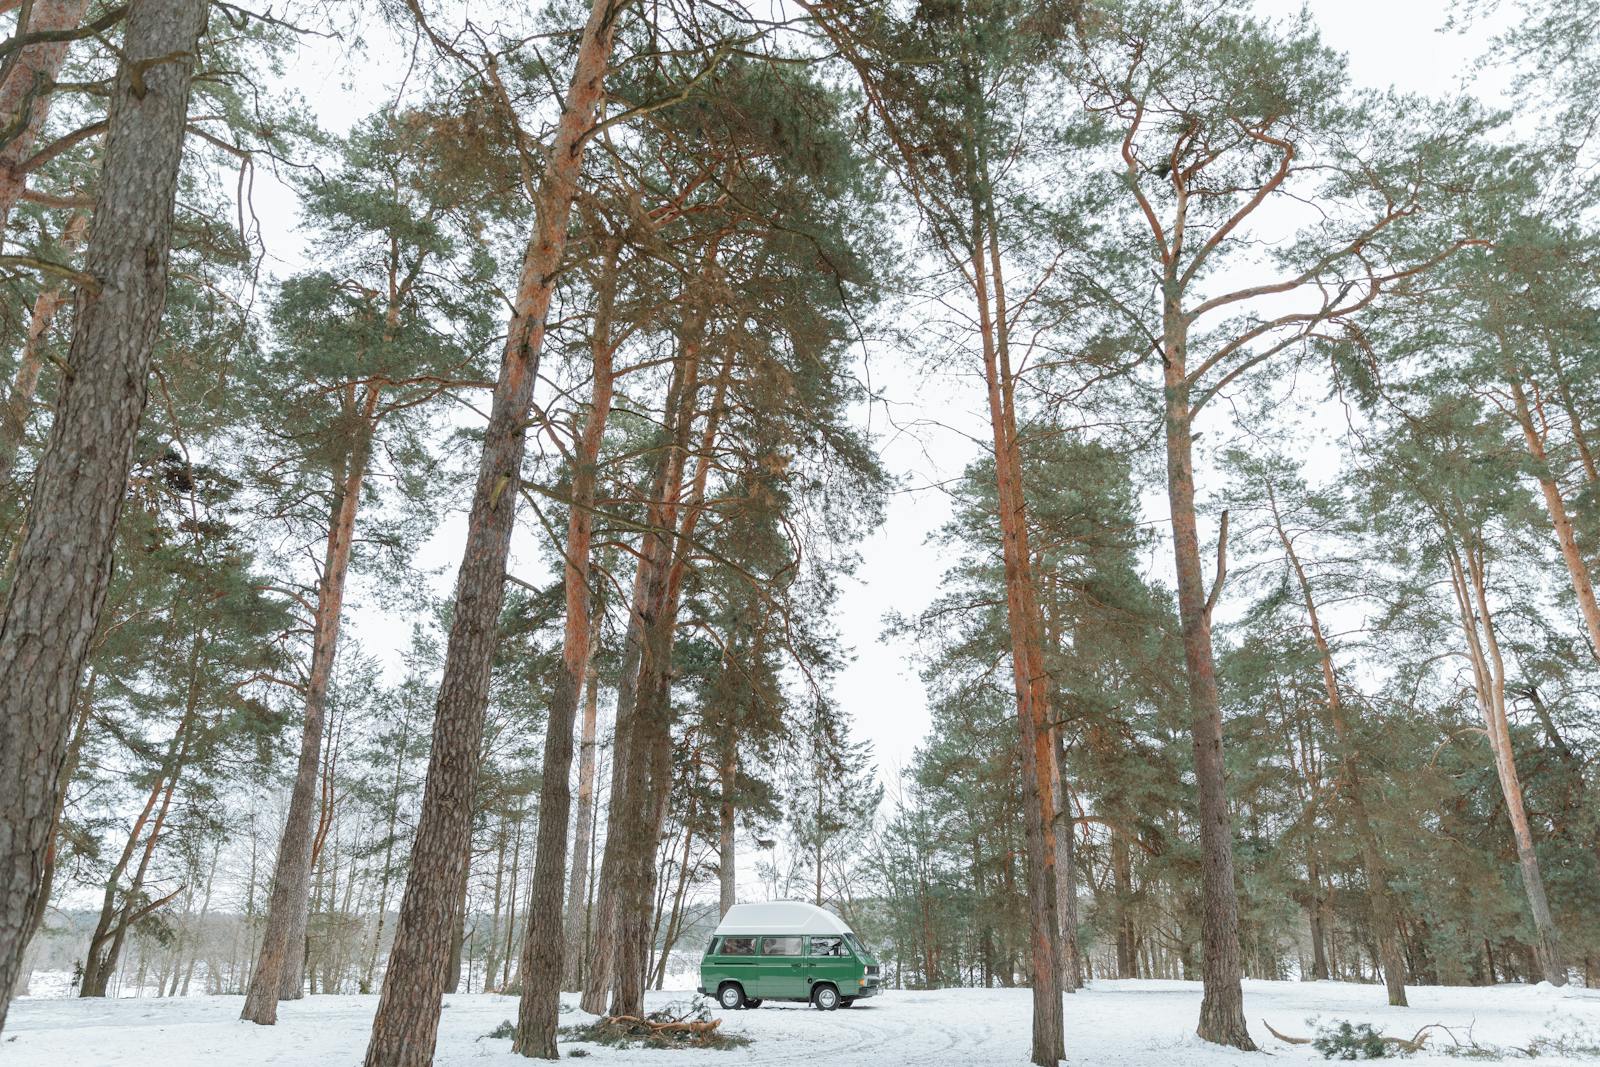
(701, 990)
(867, 991)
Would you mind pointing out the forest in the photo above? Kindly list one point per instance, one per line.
(439, 440)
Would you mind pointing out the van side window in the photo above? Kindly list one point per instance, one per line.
(738, 946)
(828, 946)
(780, 946)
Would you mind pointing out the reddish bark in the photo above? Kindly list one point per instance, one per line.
(1469, 582)
(280, 963)
(1556, 506)
(26, 93)
(542, 950)
(1029, 678)
(407, 1022)
(49, 302)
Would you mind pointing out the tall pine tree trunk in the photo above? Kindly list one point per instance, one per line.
(727, 857)
(64, 563)
(621, 870)
(1469, 581)
(1066, 875)
(1030, 682)
(281, 963)
(1556, 506)
(638, 834)
(1222, 1005)
(583, 828)
(539, 1006)
(407, 1022)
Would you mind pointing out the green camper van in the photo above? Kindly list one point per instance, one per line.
(786, 951)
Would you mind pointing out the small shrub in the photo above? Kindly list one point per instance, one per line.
(507, 1029)
(1350, 1041)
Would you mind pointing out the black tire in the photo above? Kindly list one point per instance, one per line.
(845, 1002)
(752, 1002)
(825, 997)
(730, 996)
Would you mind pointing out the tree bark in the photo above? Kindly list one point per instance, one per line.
(637, 832)
(26, 93)
(1222, 1005)
(64, 564)
(539, 1006)
(25, 383)
(1066, 876)
(1029, 678)
(1556, 506)
(583, 828)
(1469, 582)
(727, 857)
(622, 872)
(280, 964)
(458, 932)
(1122, 875)
(407, 1022)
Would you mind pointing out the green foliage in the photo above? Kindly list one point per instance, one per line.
(1350, 1041)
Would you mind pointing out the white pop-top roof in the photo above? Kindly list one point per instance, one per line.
(780, 917)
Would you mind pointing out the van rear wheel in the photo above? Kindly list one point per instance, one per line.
(825, 997)
(730, 996)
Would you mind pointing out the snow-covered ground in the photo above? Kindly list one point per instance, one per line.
(1115, 1023)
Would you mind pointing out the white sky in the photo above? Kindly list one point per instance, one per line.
(1388, 42)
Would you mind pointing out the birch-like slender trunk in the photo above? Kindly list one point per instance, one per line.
(63, 567)
(105, 944)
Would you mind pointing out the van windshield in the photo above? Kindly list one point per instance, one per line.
(855, 945)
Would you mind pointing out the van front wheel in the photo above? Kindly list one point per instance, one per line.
(730, 996)
(825, 997)
(752, 1002)
(845, 1002)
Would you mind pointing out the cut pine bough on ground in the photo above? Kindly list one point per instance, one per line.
(686, 1024)
(1111, 1024)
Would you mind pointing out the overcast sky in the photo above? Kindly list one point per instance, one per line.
(1388, 42)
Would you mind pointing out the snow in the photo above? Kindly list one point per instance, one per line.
(1114, 1024)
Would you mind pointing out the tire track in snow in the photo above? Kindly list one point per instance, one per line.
(858, 1035)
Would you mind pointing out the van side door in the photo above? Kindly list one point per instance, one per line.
(783, 970)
